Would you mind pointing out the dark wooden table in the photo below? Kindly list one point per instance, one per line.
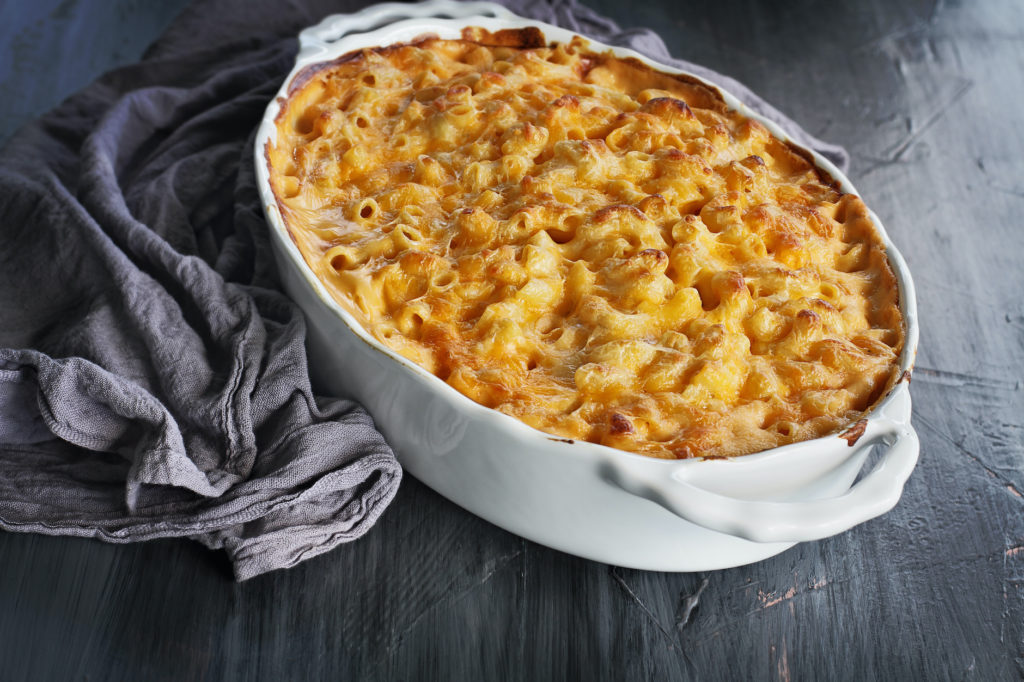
(928, 98)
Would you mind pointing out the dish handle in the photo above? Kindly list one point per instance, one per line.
(782, 521)
(318, 38)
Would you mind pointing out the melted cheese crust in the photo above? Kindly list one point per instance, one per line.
(601, 250)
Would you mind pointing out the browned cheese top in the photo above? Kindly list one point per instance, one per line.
(601, 250)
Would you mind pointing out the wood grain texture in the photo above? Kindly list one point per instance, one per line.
(927, 97)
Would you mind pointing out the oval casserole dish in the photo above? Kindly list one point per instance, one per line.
(589, 500)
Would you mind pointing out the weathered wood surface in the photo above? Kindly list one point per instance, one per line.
(928, 98)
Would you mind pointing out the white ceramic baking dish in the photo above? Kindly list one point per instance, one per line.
(585, 499)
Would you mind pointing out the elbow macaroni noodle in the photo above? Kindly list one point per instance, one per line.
(600, 250)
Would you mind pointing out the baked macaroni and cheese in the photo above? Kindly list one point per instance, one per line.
(601, 250)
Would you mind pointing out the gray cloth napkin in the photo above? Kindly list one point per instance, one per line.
(153, 379)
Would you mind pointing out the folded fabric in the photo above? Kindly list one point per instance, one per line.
(153, 379)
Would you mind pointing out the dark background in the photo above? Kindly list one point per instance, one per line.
(927, 97)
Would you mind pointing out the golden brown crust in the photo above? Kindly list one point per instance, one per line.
(599, 249)
(525, 38)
